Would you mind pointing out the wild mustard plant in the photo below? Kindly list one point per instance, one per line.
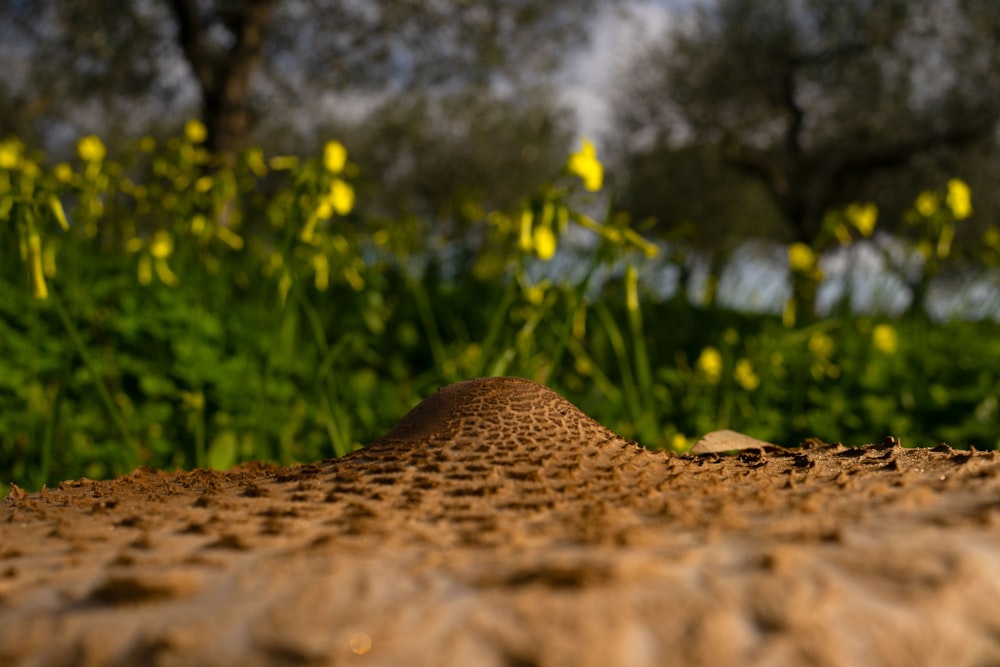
(936, 215)
(173, 309)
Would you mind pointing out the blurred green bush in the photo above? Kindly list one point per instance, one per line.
(176, 310)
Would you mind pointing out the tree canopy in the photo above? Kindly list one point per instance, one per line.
(814, 100)
(452, 80)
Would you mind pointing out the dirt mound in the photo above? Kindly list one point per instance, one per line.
(498, 525)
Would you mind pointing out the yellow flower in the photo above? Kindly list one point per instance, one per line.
(927, 203)
(821, 345)
(709, 364)
(842, 233)
(801, 258)
(162, 245)
(678, 442)
(959, 199)
(991, 237)
(63, 172)
(30, 169)
(885, 339)
(745, 375)
(10, 153)
(283, 162)
(255, 161)
(91, 149)
(535, 294)
(198, 225)
(341, 197)
(586, 165)
(195, 131)
(334, 157)
(544, 242)
(863, 217)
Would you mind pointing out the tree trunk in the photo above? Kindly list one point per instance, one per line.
(224, 75)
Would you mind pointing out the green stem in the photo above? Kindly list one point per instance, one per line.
(200, 456)
(496, 325)
(47, 436)
(426, 314)
(642, 370)
(333, 410)
(102, 389)
(618, 344)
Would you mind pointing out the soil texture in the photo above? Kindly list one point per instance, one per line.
(497, 525)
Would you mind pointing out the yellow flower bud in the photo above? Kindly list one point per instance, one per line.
(801, 258)
(586, 165)
(91, 149)
(545, 242)
(709, 364)
(195, 131)
(863, 217)
(959, 199)
(334, 157)
(885, 339)
(10, 153)
(744, 375)
(341, 197)
(927, 203)
(821, 345)
(162, 245)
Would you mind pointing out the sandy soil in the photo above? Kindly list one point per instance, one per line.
(474, 535)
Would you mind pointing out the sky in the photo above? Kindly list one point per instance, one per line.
(616, 37)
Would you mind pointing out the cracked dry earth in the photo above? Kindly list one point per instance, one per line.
(498, 525)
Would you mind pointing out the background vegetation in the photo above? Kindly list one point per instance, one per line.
(183, 292)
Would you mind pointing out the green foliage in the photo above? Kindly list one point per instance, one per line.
(172, 310)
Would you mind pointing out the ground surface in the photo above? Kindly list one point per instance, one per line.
(473, 534)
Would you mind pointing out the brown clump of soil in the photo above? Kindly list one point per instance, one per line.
(498, 525)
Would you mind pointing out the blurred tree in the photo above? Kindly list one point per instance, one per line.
(242, 59)
(813, 99)
(450, 157)
(704, 209)
(438, 102)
